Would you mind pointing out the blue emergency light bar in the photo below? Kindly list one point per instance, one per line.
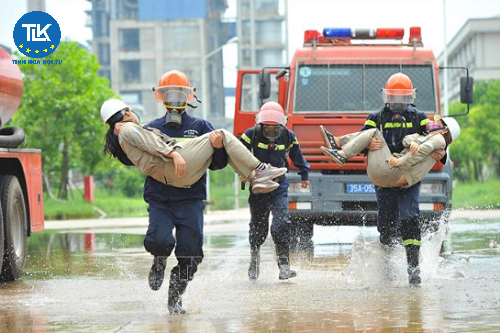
(337, 33)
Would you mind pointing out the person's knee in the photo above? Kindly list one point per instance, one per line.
(159, 245)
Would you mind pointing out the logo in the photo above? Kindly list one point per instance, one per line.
(37, 34)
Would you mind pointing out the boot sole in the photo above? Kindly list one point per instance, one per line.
(265, 189)
(325, 137)
(289, 277)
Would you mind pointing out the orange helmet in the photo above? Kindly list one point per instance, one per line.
(398, 89)
(271, 113)
(174, 90)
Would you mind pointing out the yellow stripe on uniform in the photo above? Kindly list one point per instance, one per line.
(370, 123)
(264, 146)
(398, 125)
(246, 138)
(411, 242)
(424, 122)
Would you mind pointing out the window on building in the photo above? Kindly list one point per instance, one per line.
(131, 97)
(130, 71)
(103, 53)
(181, 38)
(128, 39)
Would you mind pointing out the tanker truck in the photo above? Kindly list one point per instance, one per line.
(21, 192)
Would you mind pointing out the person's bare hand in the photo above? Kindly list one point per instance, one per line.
(414, 147)
(305, 183)
(180, 165)
(118, 127)
(375, 144)
(394, 162)
(438, 154)
(242, 179)
(216, 139)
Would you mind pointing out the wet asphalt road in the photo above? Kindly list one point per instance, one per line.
(91, 276)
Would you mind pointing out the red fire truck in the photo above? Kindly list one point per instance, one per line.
(21, 193)
(335, 80)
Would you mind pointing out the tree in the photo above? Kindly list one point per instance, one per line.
(60, 111)
(479, 142)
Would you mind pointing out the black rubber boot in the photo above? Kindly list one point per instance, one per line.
(253, 270)
(157, 272)
(412, 256)
(283, 255)
(176, 288)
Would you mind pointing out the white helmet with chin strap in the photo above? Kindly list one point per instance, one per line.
(453, 127)
(111, 107)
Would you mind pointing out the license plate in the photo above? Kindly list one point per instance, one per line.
(360, 188)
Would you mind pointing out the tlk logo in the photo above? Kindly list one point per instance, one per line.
(36, 33)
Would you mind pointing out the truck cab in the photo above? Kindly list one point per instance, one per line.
(335, 80)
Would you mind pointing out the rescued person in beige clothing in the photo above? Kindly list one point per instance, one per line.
(179, 164)
(394, 170)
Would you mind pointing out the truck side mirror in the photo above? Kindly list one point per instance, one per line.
(466, 90)
(265, 85)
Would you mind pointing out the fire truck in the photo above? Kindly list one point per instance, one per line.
(21, 193)
(335, 80)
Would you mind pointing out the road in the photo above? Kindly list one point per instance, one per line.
(91, 276)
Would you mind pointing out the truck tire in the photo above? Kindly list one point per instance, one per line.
(15, 224)
(11, 137)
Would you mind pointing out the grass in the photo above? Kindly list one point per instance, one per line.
(222, 198)
(77, 208)
(475, 195)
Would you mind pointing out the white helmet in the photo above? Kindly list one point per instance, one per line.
(110, 107)
(453, 127)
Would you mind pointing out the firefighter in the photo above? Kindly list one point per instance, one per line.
(271, 142)
(398, 214)
(180, 208)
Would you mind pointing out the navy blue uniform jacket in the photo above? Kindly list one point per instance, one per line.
(275, 154)
(192, 127)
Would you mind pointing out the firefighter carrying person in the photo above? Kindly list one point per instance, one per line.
(178, 163)
(171, 207)
(271, 142)
(398, 213)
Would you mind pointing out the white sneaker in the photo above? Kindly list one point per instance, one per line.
(269, 172)
(265, 187)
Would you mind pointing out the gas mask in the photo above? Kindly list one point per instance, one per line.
(398, 108)
(271, 132)
(174, 119)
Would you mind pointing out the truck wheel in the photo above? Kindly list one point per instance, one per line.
(11, 137)
(15, 228)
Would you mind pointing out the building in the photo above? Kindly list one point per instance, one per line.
(262, 28)
(477, 47)
(136, 41)
(262, 32)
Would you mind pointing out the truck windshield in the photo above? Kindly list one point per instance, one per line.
(356, 88)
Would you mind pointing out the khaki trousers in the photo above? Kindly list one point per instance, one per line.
(197, 153)
(379, 171)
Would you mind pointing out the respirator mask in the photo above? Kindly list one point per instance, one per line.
(271, 132)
